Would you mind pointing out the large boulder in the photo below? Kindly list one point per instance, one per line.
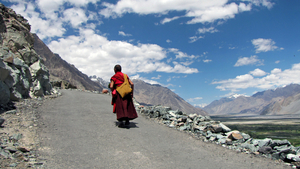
(22, 72)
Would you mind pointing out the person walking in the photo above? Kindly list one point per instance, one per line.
(123, 106)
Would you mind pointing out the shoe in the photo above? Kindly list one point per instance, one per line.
(127, 123)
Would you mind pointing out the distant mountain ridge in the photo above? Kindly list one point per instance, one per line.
(61, 70)
(147, 94)
(270, 102)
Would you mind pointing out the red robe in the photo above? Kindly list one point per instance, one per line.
(123, 107)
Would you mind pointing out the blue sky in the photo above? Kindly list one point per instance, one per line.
(202, 50)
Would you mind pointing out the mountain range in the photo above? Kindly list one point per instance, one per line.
(280, 101)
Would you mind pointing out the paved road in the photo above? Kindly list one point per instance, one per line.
(78, 130)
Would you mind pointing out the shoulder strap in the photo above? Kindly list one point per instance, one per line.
(125, 77)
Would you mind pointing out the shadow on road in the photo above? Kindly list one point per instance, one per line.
(131, 125)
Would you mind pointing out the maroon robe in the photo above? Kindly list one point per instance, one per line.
(123, 107)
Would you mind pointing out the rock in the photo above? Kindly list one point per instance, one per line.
(235, 135)
(265, 150)
(264, 142)
(279, 143)
(5, 93)
(17, 54)
(192, 116)
(2, 121)
(225, 128)
(23, 149)
(216, 128)
(293, 157)
(245, 136)
(282, 149)
(251, 147)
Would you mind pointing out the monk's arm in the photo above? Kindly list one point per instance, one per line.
(111, 85)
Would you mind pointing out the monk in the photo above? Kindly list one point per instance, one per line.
(123, 107)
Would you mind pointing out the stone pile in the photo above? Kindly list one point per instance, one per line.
(203, 127)
(22, 72)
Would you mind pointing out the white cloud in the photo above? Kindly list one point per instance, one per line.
(249, 61)
(166, 20)
(210, 30)
(42, 27)
(194, 99)
(168, 41)
(75, 16)
(276, 78)
(158, 77)
(200, 11)
(277, 61)
(264, 45)
(195, 38)
(202, 105)
(137, 76)
(266, 3)
(180, 54)
(169, 79)
(124, 34)
(96, 55)
(258, 72)
(207, 60)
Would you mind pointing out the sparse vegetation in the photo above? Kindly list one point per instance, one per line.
(290, 132)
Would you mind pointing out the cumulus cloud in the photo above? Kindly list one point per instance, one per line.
(201, 11)
(53, 16)
(264, 45)
(253, 60)
(75, 16)
(258, 72)
(275, 78)
(95, 54)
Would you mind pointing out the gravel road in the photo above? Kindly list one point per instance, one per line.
(78, 130)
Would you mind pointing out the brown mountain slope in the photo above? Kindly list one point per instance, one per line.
(61, 70)
(147, 94)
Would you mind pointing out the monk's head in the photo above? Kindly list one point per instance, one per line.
(118, 68)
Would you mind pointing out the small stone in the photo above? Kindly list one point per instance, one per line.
(192, 116)
(23, 149)
(2, 121)
(13, 165)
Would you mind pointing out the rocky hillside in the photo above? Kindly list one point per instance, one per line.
(147, 94)
(280, 101)
(60, 70)
(22, 71)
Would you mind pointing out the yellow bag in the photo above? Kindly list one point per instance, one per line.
(125, 88)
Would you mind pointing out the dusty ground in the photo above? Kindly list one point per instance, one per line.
(19, 140)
